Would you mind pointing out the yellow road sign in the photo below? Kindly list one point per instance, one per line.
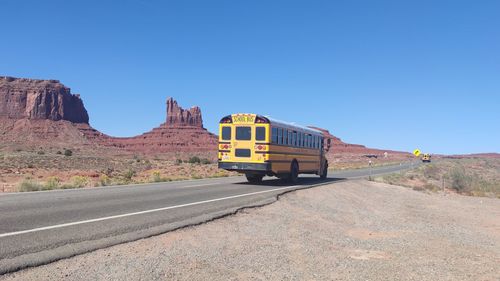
(416, 152)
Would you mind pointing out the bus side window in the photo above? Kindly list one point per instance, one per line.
(275, 135)
(285, 136)
(260, 133)
(280, 135)
(290, 138)
(294, 139)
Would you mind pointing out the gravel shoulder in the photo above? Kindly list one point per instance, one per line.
(355, 230)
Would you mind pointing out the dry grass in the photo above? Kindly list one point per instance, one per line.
(34, 171)
(468, 176)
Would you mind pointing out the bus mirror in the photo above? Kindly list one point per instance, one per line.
(328, 144)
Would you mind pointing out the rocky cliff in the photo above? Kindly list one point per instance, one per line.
(182, 131)
(177, 116)
(40, 99)
(44, 113)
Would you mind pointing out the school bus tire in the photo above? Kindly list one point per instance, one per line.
(293, 177)
(253, 178)
(324, 173)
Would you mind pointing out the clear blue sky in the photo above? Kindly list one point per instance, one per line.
(387, 74)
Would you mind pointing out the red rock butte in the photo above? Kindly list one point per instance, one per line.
(177, 116)
(45, 113)
(40, 99)
(182, 131)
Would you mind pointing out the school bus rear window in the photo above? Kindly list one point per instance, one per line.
(226, 133)
(243, 133)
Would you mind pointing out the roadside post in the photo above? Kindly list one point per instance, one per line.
(417, 153)
(370, 169)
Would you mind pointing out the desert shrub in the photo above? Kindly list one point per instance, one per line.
(79, 181)
(178, 161)
(129, 174)
(194, 160)
(104, 180)
(31, 166)
(156, 176)
(392, 179)
(221, 174)
(460, 181)
(58, 152)
(52, 183)
(108, 171)
(68, 152)
(205, 161)
(29, 185)
(431, 187)
(431, 172)
(40, 152)
(196, 177)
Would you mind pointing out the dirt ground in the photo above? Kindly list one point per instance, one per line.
(41, 167)
(469, 176)
(354, 230)
(100, 170)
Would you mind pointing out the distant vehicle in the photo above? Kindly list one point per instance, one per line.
(426, 158)
(257, 146)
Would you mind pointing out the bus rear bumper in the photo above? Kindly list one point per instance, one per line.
(245, 167)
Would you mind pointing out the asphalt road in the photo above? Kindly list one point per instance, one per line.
(41, 227)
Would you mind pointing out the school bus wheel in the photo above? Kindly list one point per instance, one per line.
(294, 172)
(324, 173)
(254, 178)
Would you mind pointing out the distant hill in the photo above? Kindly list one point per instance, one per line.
(44, 113)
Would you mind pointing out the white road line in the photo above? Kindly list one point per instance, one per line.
(141, 212)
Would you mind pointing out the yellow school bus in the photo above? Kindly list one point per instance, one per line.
(426, 158)
(257, 146)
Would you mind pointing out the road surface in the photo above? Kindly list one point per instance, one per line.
(41, 227)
